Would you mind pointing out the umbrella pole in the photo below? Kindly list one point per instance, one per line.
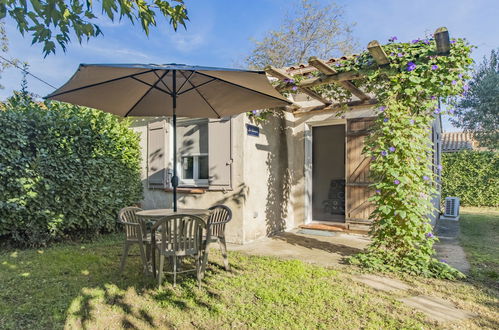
(175, 177)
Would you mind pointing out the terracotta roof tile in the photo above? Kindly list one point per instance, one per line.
(456, 141)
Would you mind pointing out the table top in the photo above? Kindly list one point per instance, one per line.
(167, 212)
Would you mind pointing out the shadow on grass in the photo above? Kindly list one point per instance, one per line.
(79, 286)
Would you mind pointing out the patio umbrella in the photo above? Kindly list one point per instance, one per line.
(169, 90)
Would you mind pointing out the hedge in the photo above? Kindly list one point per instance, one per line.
(65, 171)
(473, 176)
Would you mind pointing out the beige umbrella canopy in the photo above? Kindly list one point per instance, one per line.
(169, 90)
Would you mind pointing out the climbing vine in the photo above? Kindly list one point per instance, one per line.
(408, 90)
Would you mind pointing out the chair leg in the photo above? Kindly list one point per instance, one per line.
(160, 270)
(174, 271)
(205, 259)
(124, 256)
(198, 269)
(143, 257)
(223, 248)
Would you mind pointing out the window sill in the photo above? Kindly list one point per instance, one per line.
(185, 190)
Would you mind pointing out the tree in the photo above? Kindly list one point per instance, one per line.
(52, 22)
(478, 111)
(310, 30)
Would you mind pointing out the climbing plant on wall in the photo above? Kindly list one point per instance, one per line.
(408, 89)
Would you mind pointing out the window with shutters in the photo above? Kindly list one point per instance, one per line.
(204, 153)
(193, 151)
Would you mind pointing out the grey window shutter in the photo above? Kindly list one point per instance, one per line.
(220, 153)
(156, 154)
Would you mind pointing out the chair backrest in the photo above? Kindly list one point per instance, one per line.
(134, 227)
(218, 218)
(180, 233)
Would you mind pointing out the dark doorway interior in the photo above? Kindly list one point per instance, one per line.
(328, 173)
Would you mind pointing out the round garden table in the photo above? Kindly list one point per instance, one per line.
(160, 213)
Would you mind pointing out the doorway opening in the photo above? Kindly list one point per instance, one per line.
(328, 173)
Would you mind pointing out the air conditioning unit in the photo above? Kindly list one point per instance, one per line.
(451, 211)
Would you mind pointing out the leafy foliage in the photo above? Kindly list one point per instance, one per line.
(478, 111)
(52, 22)
(407, 89)
(473, 176)
(65, 171)
(311, 29)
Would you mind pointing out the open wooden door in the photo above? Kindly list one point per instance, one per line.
(358, 208)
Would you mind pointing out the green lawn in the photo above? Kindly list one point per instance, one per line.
(480, 239)
(78, 286)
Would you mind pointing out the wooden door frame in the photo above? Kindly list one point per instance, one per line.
(308, 160)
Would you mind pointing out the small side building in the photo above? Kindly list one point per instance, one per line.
(299, 168)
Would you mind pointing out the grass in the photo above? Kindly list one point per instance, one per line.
(78, 286)
(480, 239)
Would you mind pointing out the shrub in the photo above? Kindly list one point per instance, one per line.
(65, 171)
(473, 176)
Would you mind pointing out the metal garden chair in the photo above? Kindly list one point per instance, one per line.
(219, 216)
(135, 233)
(181, 236)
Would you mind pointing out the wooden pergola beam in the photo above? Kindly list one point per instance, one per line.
(442, 40)
(335, 107)
(327, 70)
(378, 53)
(280, 74)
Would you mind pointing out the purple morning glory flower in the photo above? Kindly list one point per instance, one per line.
(294, 88)
(382, 108)
(451, 111)
(460, 76)
(338, 64)
(454, 82)
(392, 149)
(443, 260)
(400, 54)
(411, 66)
(385, 120)
(426, 178)
(429, 235)
(392, 39)
(426, 41)
(433, 97)
(254, 112)
(415, 41)
(392, 53)
(384, 153)
(411, 121)
(437, 111)
(439, 167)
(453, 41)
(396, 181)
(466, 87)
(434, 67)
(378, 191)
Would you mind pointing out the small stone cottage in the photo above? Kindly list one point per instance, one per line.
(295, 168)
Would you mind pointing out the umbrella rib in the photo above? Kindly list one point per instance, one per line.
(164, 84)
(186, 80)
(145, 94)
(150, 85)
(195, 88)
(247, 88)
(100, 83)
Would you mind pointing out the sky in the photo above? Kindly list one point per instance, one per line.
(221, 33)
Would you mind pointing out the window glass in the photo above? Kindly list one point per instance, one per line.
(203, 167)
(188, 167)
